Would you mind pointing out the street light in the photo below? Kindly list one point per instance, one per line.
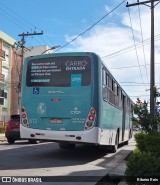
(54, 47)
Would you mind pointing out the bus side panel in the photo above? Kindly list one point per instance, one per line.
(112, 117)
(111, 114)
(128, 127)
(111, 121)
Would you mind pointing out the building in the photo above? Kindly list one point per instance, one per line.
(37, 50)
(16, 73)
(10, 74)
(6, 62)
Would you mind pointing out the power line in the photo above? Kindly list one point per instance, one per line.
(21, 22)
(138, 96)
(12, 20)
(135, 91)
(126, 67)
(135, 47)
(138, 82)
(91, 26)
(134, 82)
(142, 42)
(134, 85)
(20, 17)
(130, 48)
(152, 70)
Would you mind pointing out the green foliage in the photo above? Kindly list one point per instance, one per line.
(145, 160)
(2, 128)
(142, 164)
(149, 123)
(149, 143)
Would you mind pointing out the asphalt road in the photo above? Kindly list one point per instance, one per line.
(47, 159)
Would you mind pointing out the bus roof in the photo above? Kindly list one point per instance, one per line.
(62, 54)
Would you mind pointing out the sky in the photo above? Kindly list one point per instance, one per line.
(120, 36)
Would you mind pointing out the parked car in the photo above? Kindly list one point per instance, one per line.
(12, 130)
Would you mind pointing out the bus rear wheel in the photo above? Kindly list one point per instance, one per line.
(33, 141)
(66, 145)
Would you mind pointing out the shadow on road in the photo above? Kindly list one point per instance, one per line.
(46, 155)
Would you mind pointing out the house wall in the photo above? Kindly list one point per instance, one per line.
(6, 45)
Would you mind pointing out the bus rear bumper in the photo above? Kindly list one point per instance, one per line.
(86, 136)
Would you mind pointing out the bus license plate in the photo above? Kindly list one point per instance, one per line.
(55, 120)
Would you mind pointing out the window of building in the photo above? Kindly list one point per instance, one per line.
(7, 53)
(5, 72)
(5, 95)
(1, 101)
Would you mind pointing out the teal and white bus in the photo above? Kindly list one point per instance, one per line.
(72, 98)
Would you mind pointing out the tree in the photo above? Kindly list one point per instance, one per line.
(149, 123)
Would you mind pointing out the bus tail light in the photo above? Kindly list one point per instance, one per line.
(24, 118)
(93, 111)
(90, 119)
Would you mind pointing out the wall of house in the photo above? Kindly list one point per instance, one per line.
(6, 45)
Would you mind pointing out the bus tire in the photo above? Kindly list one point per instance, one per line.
(65, 145)
(126, 142)
(33, 141)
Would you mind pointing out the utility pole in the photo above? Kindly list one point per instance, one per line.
(152, 73)
(21, 44)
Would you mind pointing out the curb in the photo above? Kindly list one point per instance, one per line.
(116, 166)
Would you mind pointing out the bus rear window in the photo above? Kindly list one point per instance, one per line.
(59, 71)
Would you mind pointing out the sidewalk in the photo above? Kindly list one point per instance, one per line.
(115, 166)
(2, 138)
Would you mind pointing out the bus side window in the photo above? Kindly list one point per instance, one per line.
(104, 77)
(115, 88)
(113, 85)
(110, 82)
(107, 77)
(120, 93)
